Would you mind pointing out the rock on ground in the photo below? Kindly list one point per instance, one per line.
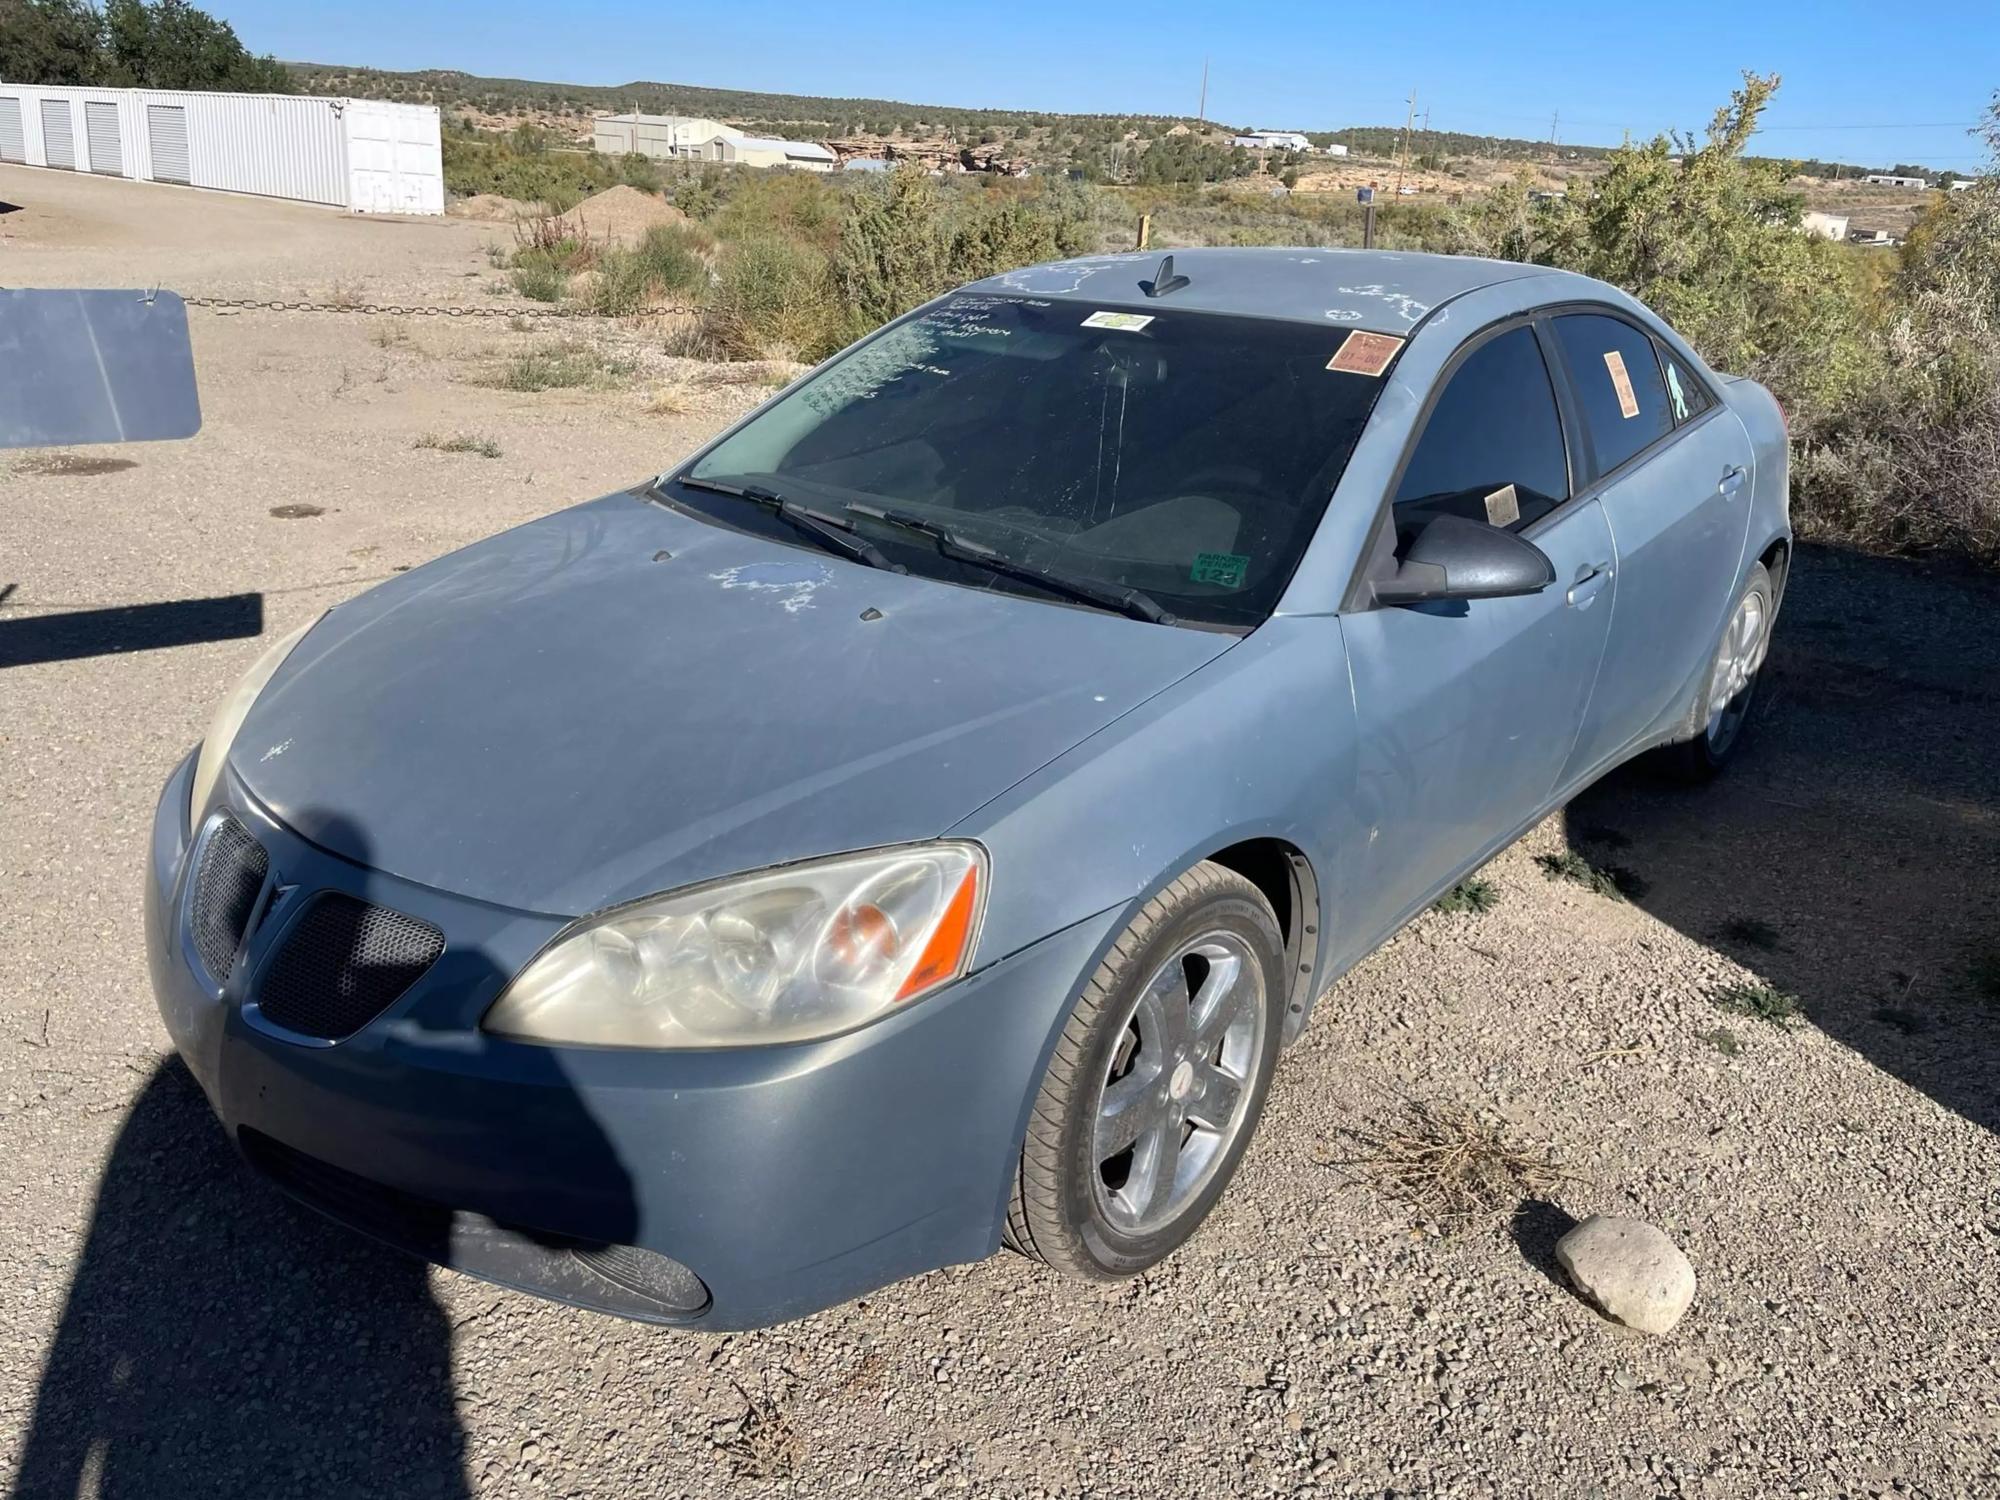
(1629, 1269)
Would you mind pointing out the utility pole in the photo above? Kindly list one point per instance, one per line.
(1403, 150)
(1201, 110)
(1555, 120)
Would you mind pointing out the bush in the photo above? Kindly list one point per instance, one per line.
(774, 299)
(1909, 463)
(669, 264)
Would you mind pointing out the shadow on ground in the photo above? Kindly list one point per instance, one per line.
(28, 639)
(1851, 855)
(219, 1341)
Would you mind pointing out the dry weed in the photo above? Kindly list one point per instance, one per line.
(1454, 1165)
(760, 1442)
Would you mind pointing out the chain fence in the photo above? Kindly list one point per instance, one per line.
(397, 309)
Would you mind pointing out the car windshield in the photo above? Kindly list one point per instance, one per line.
(1185, 455)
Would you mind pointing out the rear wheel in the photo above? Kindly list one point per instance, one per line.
(1157, 1081)
(1724, 705)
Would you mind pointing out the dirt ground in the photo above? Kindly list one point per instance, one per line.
(172, 1327)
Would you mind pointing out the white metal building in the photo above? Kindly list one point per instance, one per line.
(1272, 140)
(1890, 179)
(363, 154)
(761, 151)
(664, 136)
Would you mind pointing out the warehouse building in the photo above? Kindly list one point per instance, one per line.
(690, 138)
(760, 151)
(667, 137)
(363, 154)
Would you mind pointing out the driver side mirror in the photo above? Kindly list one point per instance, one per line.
(1457, 558)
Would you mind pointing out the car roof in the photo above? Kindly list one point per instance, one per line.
(1383, 291)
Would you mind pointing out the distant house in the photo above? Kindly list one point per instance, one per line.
(1890, 179)
(1873, 237)
(668, 137)
(1272, 140)
(1960, 184)
(867, 164)
(1336, 149)
(1826, 226)
(764, 151)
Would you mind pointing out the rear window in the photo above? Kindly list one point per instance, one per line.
(1618, 382)
(1187, 455)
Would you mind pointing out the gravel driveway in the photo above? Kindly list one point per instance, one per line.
(172, 1327)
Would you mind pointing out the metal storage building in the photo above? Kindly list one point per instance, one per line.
(363, 154)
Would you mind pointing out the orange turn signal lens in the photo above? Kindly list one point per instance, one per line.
(944, 956)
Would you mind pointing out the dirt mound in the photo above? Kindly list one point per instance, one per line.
(625, 213)
(492, 208)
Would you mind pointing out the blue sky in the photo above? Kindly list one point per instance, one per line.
(1866, 84)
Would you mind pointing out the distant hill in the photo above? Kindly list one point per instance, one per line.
(809, 114)
(815, 116)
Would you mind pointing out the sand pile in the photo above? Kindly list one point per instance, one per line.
(623, 214)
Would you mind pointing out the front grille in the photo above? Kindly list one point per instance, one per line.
(224, 891)
(344, 963)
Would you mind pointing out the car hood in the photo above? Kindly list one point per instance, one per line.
(621, 699)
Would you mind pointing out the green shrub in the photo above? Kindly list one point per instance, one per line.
(668, 265)
(543, 280)
(1473, 896)
(1764, 1002)
(774, 299)
(558, 366)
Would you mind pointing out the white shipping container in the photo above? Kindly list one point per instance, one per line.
(362, 154)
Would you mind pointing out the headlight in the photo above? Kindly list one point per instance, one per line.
(229, 717)
(804, 951)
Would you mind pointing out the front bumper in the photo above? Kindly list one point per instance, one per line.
(786, 1178)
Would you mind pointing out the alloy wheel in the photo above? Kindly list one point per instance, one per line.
(1177, 1087)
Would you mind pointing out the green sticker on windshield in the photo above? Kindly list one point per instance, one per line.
(1223, 569)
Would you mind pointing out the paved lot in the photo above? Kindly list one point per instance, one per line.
(171, 1327)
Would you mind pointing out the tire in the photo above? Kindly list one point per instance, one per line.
(1715, 735)
(1104, 1218)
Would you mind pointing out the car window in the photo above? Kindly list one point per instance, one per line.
(1492, 449)
(1687, 396)
(1618, 382)
(1185, 454)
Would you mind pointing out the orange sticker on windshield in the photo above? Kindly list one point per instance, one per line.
(1365, 353)
(1621, 382)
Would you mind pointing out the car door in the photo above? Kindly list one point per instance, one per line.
(1672, 468)
(1467, 711)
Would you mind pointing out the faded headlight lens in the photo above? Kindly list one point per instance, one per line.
(782, 956)
(229, 717)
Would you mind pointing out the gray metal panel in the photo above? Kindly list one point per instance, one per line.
(13, 136)
(107, 152)
(58, 134)
(97, 367)
(166, 125)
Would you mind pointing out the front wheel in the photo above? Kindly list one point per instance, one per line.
(1157, 1081)
(1724, 705)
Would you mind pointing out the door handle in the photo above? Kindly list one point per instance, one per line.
(1590, 582)
(1732, 480)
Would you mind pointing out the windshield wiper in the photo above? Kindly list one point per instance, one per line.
(834, 533)
(1127, 601)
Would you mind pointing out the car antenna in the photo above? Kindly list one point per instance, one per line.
(1164, 280)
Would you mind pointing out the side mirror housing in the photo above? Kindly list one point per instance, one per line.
(1457, 558)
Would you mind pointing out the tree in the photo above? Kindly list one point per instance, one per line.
(164, 44)
(50, 41)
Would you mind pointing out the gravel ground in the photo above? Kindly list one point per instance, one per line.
(171, 1327)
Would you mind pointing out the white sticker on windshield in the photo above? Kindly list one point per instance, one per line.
(1129, 322)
